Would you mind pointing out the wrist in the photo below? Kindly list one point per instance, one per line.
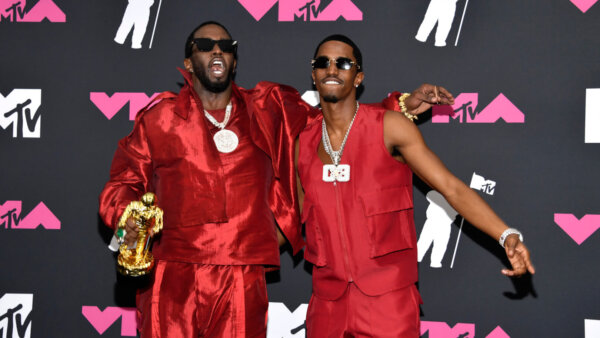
(404, 109)
(508, 232)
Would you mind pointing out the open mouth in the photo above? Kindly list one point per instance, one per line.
(217, 67)
(332, 81)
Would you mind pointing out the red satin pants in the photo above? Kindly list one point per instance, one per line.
(393, 314)
(195, 300)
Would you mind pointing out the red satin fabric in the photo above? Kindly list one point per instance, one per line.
(392, 315)
(362, 230)
(214, 210)
(196, 300)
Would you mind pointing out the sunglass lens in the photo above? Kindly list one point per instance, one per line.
(344, 63)
(204, 45)
(321, 62)
(227, 46)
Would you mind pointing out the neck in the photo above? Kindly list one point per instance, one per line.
(211, 100)
(338, 115)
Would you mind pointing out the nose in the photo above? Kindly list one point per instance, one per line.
(332, 69)
(216, 49)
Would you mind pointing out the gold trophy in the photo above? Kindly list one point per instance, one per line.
(138, 260)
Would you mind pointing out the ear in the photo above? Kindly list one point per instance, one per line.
(187, 63)
(234, 65)
(312, 74)
(358, 79)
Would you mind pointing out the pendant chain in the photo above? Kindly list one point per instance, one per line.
(220, 125)
(335, 156)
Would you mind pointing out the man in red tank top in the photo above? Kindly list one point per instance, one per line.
(357, 203)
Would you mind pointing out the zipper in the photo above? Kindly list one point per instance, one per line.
(343, 236)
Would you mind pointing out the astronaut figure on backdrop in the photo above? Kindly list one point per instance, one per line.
(136, 17)
(436, 230)
(440, 12)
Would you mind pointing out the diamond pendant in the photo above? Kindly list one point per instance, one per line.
(333, 173)
(226, 140)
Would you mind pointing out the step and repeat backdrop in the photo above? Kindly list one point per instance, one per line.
(525, 133)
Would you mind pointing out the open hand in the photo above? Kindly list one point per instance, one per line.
(519, 257)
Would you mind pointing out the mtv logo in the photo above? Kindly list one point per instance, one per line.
(460, 330)
(311, 97)
(285, 324)
(102, 320)
(308, 10)
(443, 330)
(14, 11)
(584, 5)
(578, 229)
(20, 108)
(592, 328)
(465, 109)
(10, 217)
(111, 105)
(592, 115)
(15, 315)
(483, 185)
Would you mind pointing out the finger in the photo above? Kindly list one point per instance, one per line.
(509, 245)
(436, 94)
(131, 226)
(524, 253)
(445, 93)
(518, 269)
(420, 97)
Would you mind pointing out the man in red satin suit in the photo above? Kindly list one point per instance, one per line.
(355, 163)
(220, 160)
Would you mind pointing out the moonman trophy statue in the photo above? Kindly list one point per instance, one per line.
(138, 260)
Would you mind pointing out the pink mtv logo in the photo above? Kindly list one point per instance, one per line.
(14, 11)
(465, 110)
(111, 105)
(462, 330)
(584, 5)
(102, 320)
(578, 229)
(10, 217)
(307, 10)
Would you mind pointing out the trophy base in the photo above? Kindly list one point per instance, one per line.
(135, 267)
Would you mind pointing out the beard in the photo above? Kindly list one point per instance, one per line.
(330, 98)
(213, 86)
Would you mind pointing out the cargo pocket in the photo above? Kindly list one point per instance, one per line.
(389, 215)
(314, 251)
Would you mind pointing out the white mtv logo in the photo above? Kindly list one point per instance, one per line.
(592, 328)
(19, 109)
(483, 185)
(15, 315)
(311, 97)
(592, 115)
(283, 323)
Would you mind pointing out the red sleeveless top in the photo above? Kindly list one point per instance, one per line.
(359, 231)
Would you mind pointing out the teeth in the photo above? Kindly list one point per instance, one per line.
(218, 63)
(331, 82)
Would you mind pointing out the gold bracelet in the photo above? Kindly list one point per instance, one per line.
(403, 108)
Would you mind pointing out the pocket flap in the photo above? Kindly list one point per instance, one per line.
(387, 200)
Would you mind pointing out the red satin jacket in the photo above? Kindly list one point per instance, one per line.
(171, 152)
(360, 231)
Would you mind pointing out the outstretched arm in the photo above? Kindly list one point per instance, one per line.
(402, 135)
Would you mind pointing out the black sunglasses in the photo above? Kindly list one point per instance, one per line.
(207, 45)
(341, 63)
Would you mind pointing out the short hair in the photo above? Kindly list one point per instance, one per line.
(342, 38)
(188, 42)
